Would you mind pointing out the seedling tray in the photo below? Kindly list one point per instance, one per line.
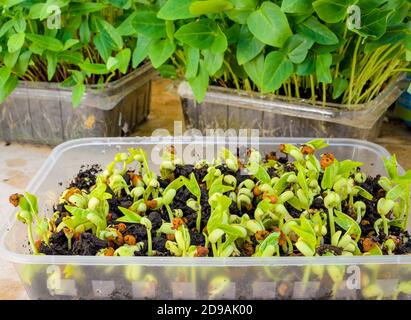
(278, 116)
(90, 277)
(42, 112)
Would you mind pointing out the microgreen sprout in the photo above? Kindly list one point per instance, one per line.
(308, 206)
(28, 214)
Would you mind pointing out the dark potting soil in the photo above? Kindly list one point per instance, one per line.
(88, 244)
(86, 178)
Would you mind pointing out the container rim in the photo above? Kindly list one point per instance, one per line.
(14, 257)
(185, 91)
(44, 85)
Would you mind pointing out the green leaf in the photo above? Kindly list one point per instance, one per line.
(219, 44)
(168, 71)
(199, 34)
(51, 64)
(329, 176)
(70, 43)
(212, 61)
(6, 27)
(234, 231)
(391, 166)
(373, 23)
(126, 27)
(317, 144)
(375, 251)
(248, 46)
(10, 59)
(175, 184)
(147, 24)
(141, 50)
(175, 10)
(297, 6)
(277, 69)
(4, 75)
(129, 216)
(84, 31)
(242, 9)
(112, 64)
(346, 167)
(271, 239)
(193, 187)
(305, 236)
(395, 192)
(22, 64)
(38, 11)
(282, 184)
(94, 68)
(269, 25)
(170, 29)
(307, 67)
(331, 11)
(192, 61)
(198, 8)
(322, 67)
(15, 42)
(86, 7)
(107, 29)
(103, 46)
(262, 175)
(160, 51)
(297, 47)
(45, 42)
(8, 87)
(316, 31)
(218, 187)
(347, 223)
(339, 86)
(255, 69)
(123, 58)
(199, 84)
(77, 94)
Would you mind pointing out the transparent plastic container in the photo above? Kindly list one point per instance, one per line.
(278, 116)
(89, 277)
(42, 112)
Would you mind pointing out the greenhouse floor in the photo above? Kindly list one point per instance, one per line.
(16, 168)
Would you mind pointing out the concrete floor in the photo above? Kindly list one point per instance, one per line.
(19, 162)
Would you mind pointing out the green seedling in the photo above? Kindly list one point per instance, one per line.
(28, 214)
(132, 217)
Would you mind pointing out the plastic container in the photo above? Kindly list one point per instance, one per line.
(78, 277)
(286, 117)
(403, 106)
(42, 112)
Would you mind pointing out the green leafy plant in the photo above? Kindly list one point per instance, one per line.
(94, 43)
(295, 48)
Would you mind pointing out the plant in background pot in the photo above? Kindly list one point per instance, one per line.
(289, 57)
(59, 53)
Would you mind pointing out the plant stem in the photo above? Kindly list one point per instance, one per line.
(170, 212)
(385, 224)
(331, 220)
(297, 89)
(324, 94)
(198, 220)
(353, 66)
(31, 238)
(149, 243)
(235, 79)
(340, 51)
(312, 88)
